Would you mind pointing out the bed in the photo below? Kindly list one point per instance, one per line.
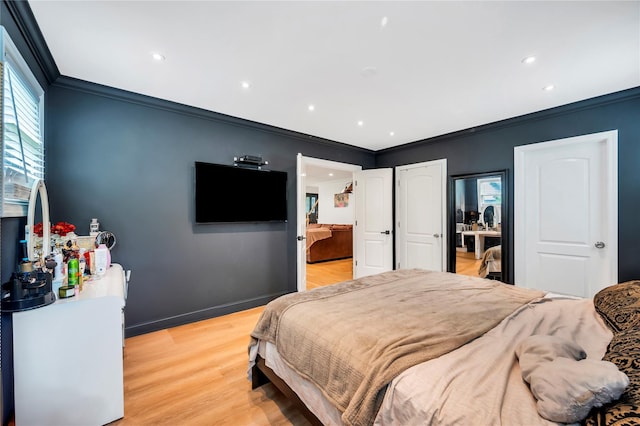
(406, 347)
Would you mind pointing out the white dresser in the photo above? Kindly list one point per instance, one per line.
(68, 357)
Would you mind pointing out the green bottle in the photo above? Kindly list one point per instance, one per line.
(73, 268)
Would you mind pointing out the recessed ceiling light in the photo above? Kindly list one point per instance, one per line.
(360, 123)
(158, 57)
(529, 60)
(548, 87)
(392, 133)
(246, 84)
(311, 107)
(384, 21)
(330, 174)
(369, 72)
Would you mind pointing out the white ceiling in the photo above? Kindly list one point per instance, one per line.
(434, 68)
(315, 175)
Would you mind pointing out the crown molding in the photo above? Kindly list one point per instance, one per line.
(26, 22)
(597, 102)
(70, 83)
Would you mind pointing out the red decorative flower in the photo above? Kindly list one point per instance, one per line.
(62, 228)
(37, 229)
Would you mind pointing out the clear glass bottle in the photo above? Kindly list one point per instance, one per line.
(82, 265)
(94, 227)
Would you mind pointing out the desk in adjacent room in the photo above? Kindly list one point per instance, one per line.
(479, 239)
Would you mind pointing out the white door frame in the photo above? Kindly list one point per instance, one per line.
(301, 217)
(611, 190)
(443, 201)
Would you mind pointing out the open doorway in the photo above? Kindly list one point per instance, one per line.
(326, 215)
(329, 218)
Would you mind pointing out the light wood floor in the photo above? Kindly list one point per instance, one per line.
(196, 374)
(466, 264)
(326, 273)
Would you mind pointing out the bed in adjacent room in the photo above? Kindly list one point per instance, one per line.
(423, 347)
(491, 263)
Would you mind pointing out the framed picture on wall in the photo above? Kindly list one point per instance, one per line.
(341, 200)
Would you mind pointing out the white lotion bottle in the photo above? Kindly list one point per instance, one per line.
(102, 259)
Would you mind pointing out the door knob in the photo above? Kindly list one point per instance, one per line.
(387, 232)
(301, 237)
(599, 244)
(436, 235)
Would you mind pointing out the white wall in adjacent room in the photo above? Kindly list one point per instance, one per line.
(327, 212)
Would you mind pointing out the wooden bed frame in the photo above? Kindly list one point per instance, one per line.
(261, 375)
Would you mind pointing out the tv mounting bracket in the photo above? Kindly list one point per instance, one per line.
(249, 160)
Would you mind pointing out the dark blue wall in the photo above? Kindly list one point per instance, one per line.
(128, 160)
(490, 148)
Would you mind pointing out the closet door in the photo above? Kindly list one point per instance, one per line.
(373, 236)
(420, 216)
(566, 214)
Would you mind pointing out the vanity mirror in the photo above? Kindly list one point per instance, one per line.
(478, 220)
(38, 189)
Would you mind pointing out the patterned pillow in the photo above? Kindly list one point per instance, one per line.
(619, 305)
(624, 352)
(619, 414)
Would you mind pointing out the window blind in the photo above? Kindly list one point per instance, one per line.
(22, 135)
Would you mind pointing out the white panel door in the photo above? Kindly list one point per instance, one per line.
(420, 214)
(566, 214)
(374, 223)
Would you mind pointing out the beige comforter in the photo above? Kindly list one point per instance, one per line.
(481, 383)
(352, 339)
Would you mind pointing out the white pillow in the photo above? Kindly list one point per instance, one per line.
(566, 389)
(565, 385)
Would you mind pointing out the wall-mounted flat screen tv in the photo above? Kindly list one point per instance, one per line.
(239, 194)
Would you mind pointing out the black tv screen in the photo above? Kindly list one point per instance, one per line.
(239, 194)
